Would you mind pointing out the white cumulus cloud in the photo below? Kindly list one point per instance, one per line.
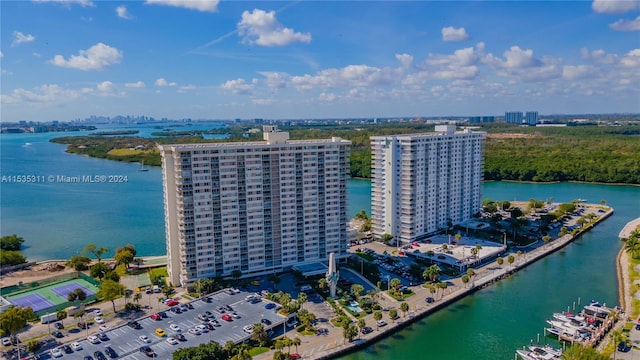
(164, 82)
(123, 12)
(615, 6)
(97, 57)
(238, 87)
(137, 84)
(49, 93)
(107, 88)
(575, 72)
(200, 5)
(450, 33)
(262, 28)
(20, 38)
(631, 59)
(626, 25)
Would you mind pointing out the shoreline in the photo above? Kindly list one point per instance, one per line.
(422, 310)
(486, 275)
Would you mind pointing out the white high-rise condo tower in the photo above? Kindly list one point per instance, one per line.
(254, 207)
(426, 182)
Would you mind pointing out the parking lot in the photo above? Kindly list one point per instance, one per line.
(126, 341)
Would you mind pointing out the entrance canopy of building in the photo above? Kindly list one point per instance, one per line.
(312, 269)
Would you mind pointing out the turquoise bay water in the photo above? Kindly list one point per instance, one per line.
(58, 220)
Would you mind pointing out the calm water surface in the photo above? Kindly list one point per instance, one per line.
(59, 219)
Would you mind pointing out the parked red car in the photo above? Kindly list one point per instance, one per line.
(226, 317)
(172, 303)
(156, 316)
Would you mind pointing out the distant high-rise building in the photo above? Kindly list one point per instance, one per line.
(255, 207)
(513, 117)
(423, 183)
(531, 118)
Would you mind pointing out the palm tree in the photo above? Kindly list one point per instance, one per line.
(500, 261)
(511, 259)
(404, 307)
(465, 279)
(322, 283)
(61, 315)
(442, 285)
(302, 298)
(136, 297)
(296, 342)
(616, 336)
(198, 286)
(431, 273)
(546, 239)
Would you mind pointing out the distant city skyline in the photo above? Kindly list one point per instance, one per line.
(69, 59)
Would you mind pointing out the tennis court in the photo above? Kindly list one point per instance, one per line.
(51, 295)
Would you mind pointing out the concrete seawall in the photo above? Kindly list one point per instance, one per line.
(477, 284)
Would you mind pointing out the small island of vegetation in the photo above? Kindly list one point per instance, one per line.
(604, 154)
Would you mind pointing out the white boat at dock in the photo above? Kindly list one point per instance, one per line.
(539, 353)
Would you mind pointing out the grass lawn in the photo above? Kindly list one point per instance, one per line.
(159, 271)
(258, 350)
(403, 297)
(129, 152)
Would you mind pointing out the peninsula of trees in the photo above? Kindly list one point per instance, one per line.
(606, 154)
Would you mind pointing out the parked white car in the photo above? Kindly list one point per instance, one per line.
(76, 346)
(93, 339)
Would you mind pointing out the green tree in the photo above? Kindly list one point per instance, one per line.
(77, 295)
(511, 259)
(99, 270)
(15, 319)
(442, 285)
(110, 290)
(10, 257)
(33, 346)
(386, 238)
(259, 334)
(395, 283)
(546, 239)
(432, 273)
(95, 250)
(79, 263)
(306, 318)
(393, 314)
(500, 261)
(465, 279)
(112, 275)
(350, 332)
(61, 315)
(11, 242)
(302, 298)
(124, 257)
(167, 291)
(404, 307)
(296, 342)
(581, 352)
(136, 297)
(377, 315)
(357, 290)
(361, 323)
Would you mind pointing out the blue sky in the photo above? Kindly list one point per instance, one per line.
(68, 59)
